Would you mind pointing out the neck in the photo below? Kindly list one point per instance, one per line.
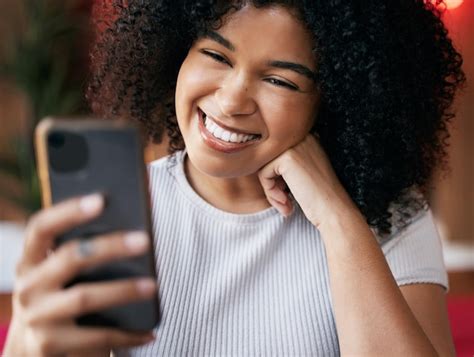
(235, 195)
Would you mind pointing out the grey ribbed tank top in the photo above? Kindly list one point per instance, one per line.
(253, 284)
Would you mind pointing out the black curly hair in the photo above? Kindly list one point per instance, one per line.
(387, 71)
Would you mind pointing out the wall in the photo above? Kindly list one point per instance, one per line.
(453, 199)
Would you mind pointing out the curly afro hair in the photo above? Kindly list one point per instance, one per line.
(387, 71)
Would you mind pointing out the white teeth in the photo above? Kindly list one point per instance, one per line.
(218, 132)
(225, 135)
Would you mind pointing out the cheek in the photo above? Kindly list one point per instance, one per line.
(187, 82)
(287, 120)
(194, 81)
(192, 84)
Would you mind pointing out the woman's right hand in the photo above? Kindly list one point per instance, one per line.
(44, 312)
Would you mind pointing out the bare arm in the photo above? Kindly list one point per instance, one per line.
(373, 315)
(428, 304)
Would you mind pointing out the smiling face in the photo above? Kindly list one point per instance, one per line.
(245, 93)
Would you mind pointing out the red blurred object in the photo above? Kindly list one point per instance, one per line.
(461, 318)
(3, 336)
(452, 4)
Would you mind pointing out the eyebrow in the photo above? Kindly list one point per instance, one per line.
(295, 67)
(219, 39)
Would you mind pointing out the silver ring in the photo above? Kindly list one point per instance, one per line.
(85, 248)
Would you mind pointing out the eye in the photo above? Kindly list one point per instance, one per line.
(216, 57)
(280, 83)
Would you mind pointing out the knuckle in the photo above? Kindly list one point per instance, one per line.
(68, 254)
(99, 242)
(79, 299)
(23, 292)
(32, 319)
(34, 224)
(109, 245)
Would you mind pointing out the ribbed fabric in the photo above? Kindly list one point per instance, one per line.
(253, 284)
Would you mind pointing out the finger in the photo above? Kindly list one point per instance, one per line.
(273, 184)
(90, 297)
(46, 225)
(73, 339)
(285, 209)
(267, 176)
(71, 258)
(282, 189)
(277, 193)
(95, 338)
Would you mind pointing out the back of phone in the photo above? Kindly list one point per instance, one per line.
(79, 157)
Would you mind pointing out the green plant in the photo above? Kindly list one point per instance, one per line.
(41, 62)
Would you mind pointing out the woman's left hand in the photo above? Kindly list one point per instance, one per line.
(306, 171)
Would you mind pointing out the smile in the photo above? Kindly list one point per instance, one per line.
(224, 134)
(224, 139)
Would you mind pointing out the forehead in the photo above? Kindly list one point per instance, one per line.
(269, 30)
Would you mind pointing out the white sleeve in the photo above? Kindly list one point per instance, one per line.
(415, 254)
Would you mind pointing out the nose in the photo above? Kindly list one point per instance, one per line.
(234, 97)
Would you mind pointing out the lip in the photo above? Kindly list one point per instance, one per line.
(217, 144)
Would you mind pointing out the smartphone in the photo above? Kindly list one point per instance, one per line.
(76, 157)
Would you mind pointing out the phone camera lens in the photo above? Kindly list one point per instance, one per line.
(56, 140)
(68, 152)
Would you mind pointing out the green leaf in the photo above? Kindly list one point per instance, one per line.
(40, 62)
(10, 168)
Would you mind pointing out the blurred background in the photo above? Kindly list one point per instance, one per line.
(44, 69)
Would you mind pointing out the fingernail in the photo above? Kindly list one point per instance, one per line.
(136, 241)
(146, 286)
(92, 203)
(290, 212)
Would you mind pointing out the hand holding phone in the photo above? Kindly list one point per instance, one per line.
(98, 275)
(83, 156)
(44, 313)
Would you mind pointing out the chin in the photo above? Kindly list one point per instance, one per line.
(221, 167)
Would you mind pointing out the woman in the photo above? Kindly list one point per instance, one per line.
(291, 219)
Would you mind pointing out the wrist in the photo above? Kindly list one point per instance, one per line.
(337, 213)
(344, 224)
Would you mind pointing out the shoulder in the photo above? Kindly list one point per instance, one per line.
(414, 253)
(408, 212)
(165, 164)
(160, 163)
(420, 226)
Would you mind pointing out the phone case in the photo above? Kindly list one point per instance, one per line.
(76, 157)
